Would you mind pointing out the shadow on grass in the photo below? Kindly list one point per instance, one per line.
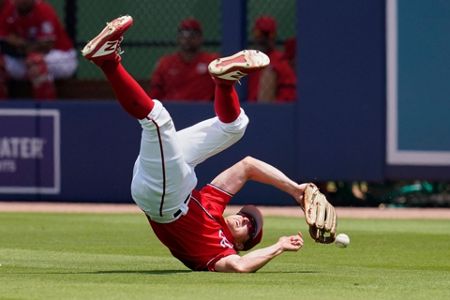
(290, 272)
(143, 272)
(146, 272)
(155, 272)
(165, 272)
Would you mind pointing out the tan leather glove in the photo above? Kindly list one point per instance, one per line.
(320, 215)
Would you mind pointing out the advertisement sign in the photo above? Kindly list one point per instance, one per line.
(30, 151)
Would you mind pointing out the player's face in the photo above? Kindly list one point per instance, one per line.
(263, 41)
(240, 227)
(190, 40)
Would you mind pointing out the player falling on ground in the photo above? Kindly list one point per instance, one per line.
(190, 221)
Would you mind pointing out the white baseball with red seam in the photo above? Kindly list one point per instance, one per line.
(342, 240)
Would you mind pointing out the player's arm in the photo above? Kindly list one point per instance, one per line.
(41, 46)
(249, 168)
(255, 260)
(22, 46)
(267, 85)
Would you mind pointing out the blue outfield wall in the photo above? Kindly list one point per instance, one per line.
(341, 67)
(342, 79)
(99, 143)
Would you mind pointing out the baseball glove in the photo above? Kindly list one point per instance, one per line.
(320, 215)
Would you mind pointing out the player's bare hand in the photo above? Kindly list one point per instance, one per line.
(291, 243)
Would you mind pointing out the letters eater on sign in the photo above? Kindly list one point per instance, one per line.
(22, 147)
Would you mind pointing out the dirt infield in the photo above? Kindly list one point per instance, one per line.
(343, 212)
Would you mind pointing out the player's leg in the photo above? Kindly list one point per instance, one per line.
(161, 178)
(14, 68)
(104, 51)
(226, 71)
(34, 69)
(212, 136)
(61, 64)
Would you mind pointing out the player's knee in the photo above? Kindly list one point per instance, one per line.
(238, 126)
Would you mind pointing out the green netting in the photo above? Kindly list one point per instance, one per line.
(154, 32)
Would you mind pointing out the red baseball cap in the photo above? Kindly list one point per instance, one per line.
(256, 220)
(266, 24)
(190, 24)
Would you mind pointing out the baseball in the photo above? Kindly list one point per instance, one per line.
(342, 240)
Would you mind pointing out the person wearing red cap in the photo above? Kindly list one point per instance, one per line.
(36, 47)
(186, 219)
(183, 75)
(277, 82)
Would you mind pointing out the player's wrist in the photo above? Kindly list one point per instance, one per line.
(281, 245)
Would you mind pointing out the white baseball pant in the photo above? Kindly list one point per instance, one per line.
(60, 64)
(163, 175)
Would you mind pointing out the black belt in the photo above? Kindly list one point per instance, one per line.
(178, 212)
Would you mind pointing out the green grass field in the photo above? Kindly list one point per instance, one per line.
(116, 256)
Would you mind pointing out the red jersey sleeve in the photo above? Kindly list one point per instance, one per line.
(215, 199)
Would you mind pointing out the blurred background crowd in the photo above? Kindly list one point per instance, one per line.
(168, 50)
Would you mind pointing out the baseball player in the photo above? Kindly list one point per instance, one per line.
(190, 221)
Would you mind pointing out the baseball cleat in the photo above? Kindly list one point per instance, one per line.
(106, 45)
(236, 66)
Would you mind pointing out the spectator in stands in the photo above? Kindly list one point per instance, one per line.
(277, 82)
(36, 47)
(5, 7)
(183, 75)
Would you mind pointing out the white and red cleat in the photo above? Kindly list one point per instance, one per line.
(236, 66)
(106, 45)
